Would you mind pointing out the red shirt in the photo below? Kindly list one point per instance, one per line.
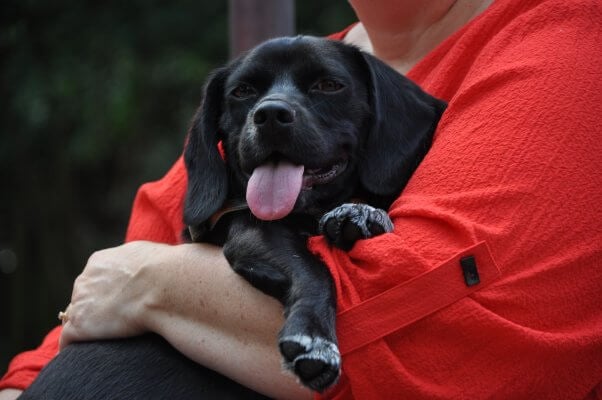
(513, 180)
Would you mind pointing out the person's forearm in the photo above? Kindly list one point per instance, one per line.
(189, 295)
(216, 318)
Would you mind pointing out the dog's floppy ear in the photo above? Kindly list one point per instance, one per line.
(207, 176)
(404, 120)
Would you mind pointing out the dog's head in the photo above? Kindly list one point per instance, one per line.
(305, 122)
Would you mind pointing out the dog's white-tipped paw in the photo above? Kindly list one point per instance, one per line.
(350, 222)
(314, 360)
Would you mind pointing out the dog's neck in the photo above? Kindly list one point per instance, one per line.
(230, 207)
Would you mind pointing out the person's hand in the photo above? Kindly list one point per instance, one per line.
(109, 295)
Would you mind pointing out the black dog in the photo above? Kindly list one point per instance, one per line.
(306, 125)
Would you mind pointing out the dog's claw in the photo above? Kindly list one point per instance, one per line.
(316, 361)
(350, 222)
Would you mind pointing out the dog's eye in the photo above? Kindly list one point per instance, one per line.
(327, 85)
(243, 91)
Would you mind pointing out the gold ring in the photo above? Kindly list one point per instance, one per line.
(63, 316)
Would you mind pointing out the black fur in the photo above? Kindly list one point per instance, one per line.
(313, 102)
(316, 103)
(145, 368)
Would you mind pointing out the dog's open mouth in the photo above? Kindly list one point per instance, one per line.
(320, 176)
(274, 186)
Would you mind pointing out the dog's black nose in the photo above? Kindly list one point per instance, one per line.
(275, 112)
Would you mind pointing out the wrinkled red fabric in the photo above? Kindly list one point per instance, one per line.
(513, 180)
(24, 367)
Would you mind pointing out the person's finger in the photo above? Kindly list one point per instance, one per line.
(64, 339)
(72, 331)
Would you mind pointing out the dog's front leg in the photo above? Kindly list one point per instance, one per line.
(274, 259)
(308, 338)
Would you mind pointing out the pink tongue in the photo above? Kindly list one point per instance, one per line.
(273, 189)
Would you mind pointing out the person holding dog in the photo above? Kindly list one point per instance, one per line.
(489, 286)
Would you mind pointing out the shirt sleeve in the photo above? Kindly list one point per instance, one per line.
(26, 366)
(511, 191)
(158, 208)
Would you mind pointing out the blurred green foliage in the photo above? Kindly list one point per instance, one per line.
(96, 99)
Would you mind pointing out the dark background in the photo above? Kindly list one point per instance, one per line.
(95, 99)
